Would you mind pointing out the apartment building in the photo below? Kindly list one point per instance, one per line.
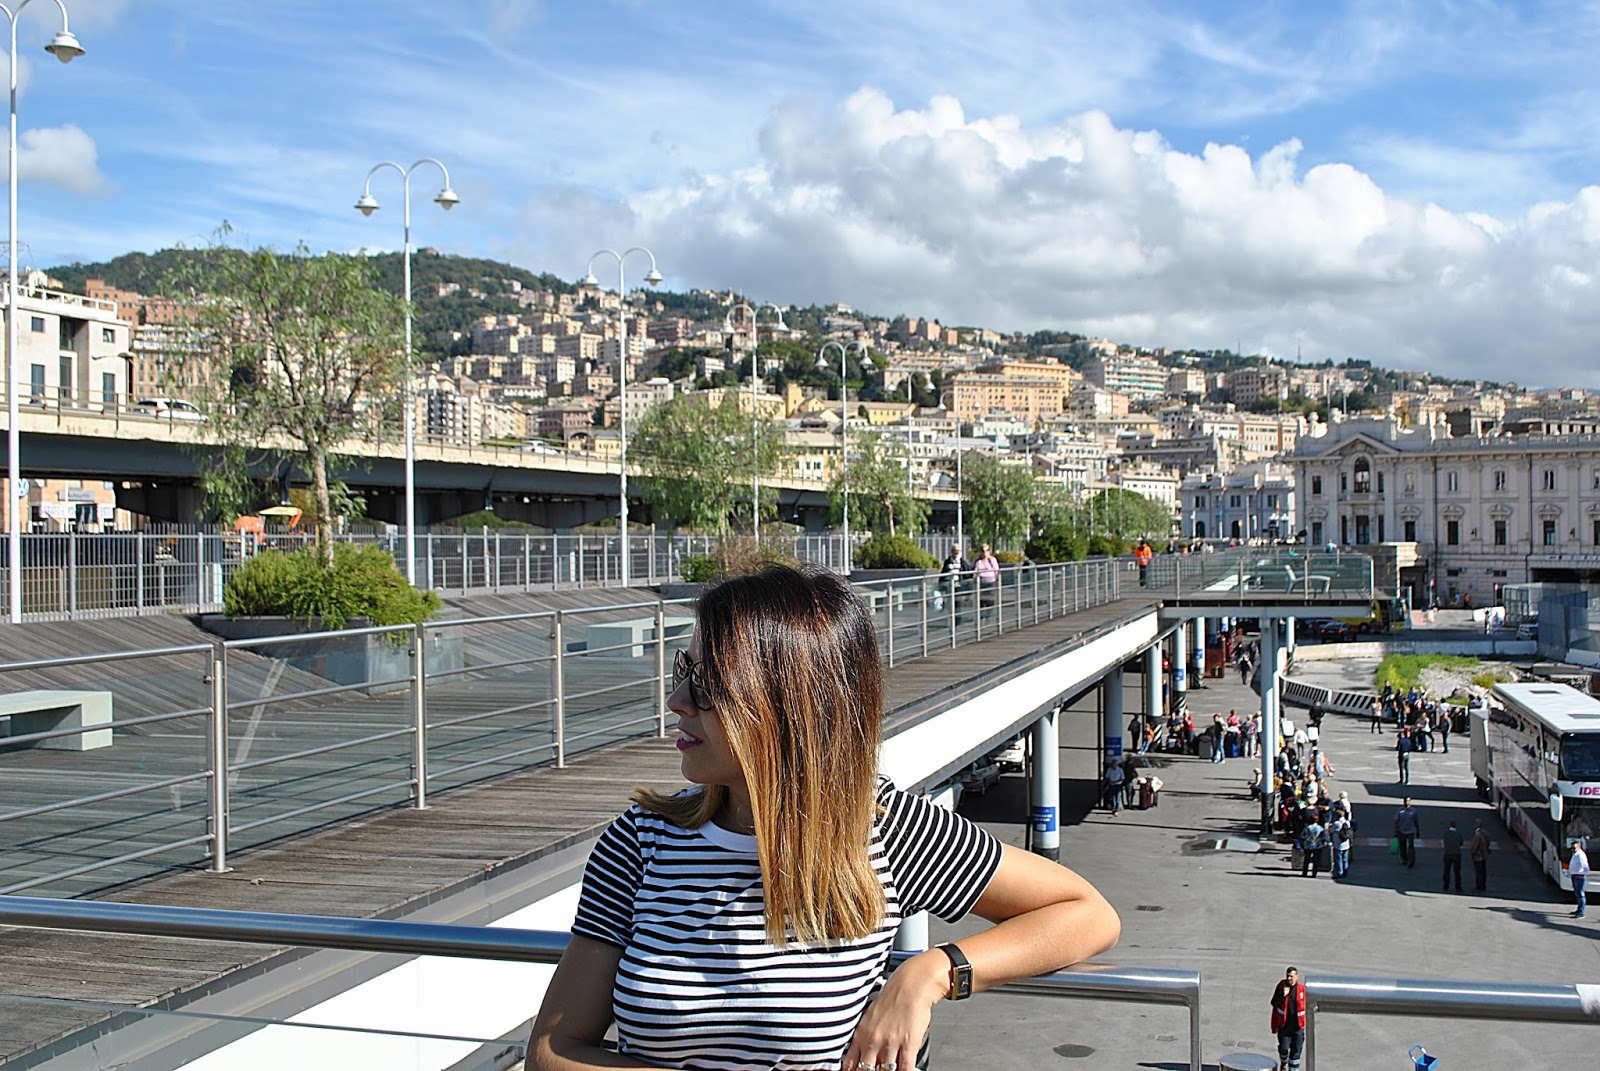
(1254, 501)
(1246, 386)
(69, 348)
(1140, 377)
(1032, 392)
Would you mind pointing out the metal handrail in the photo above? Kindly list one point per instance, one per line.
(1424, 999)
(1141, 985)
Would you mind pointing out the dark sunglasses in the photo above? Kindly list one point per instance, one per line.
(686, 669)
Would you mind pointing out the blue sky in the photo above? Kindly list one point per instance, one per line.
(1407, 182)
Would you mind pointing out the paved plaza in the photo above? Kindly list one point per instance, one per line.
(1241, 916)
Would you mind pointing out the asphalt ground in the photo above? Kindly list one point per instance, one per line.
(1241, 916)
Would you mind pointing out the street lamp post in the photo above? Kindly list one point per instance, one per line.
(652, 277)
(844, 427)
(446, 199)
(755, 391)
(64, 47)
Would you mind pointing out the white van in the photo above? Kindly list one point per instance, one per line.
(168, 409)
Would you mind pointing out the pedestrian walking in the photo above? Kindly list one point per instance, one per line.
(1578, 874)
(1141, 556)
(1289, 1019)
(1402, 753)
(1244, 668)
(1218, 733)
(1452, 855)
(1300, 742)
(1340, 836)
(1444, 729)
(1407, 827)
(1479, 851)
(1377, 718)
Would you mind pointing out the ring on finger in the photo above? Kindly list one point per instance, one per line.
(866, 1067)
(890, 1066)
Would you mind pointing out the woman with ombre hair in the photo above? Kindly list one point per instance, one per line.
(746, 922)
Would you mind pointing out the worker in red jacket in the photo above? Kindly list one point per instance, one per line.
(1289, 1019)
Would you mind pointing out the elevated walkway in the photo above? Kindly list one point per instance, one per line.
(943, 710)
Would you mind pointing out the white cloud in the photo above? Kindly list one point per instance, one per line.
(1084, 225)
(62, 156)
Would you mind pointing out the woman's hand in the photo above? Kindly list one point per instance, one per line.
(894, 1024)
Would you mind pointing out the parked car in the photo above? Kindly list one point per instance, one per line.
(168, 409)
(1528, 630)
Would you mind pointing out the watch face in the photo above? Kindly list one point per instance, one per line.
(961, 983)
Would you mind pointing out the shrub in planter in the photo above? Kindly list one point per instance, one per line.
(362, 583)
(699, 569)
(1009, 557)
(893, 552)
(1059, 543)
(1106, 546)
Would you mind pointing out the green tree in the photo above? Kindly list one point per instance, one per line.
(294, 358)
(880, 497)
(1126, 515)
(999, 498)
(697, 459)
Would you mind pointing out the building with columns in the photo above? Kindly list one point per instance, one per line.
(1254, 501)
(1483, 512)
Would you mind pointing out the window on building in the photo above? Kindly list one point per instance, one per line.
(1344, 483)
(1499, 479)
(1363, 476)
(1233, 501)
(1316, 482)
(108, 388)
(1411, 531)
(1596, 539)
(108, 334)
(1597, 479)
(1344, 530)
(1199, 501)
(67, 332)
(1452, 533)
(36, 325)
(1549, 533)
(66, 371)
(1363, 529)
(1549, 479)
(1499, 533)
(1316, 532)
(1272, 501)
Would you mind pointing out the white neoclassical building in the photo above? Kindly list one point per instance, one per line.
(1254, 501)
(1483, 512)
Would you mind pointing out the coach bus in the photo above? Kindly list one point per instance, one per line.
(1540, 747)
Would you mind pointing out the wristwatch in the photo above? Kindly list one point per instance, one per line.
(960, 973)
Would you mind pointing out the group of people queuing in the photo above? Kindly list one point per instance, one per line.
(1304, 807)
(1123, 786)
(1420, 724)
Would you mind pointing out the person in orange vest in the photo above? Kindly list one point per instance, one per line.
(1142, 555)
(1289, 1019)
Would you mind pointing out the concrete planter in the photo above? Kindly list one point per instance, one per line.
(681, 590)
(339, 657)
(867, 576)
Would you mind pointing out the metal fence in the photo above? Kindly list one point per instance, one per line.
(182, 569)
(1140, 985)
(1427, 1000)
(1255, 572)
(184, 754)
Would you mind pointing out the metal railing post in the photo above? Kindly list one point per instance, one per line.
(559, 635)
(580, 560)
(419, 716)
(661, 666)
(888, 596)
(218, 759)
(924, 624)
(955, 594)
(427, 542)
(527, 561)
(138, 571)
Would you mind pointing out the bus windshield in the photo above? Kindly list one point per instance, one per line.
(1580, 758)
(1580, 820)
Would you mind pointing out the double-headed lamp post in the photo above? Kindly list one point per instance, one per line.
(755, 389)
(64, 47)
(446, 199)
(844, 425)
(652, 277)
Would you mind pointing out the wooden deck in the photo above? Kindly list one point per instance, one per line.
(387, 863)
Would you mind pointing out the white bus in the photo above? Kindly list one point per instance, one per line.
(1540, 747)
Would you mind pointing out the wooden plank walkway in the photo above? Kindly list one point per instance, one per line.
(387, 863)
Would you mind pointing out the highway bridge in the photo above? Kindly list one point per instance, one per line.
(156, 463)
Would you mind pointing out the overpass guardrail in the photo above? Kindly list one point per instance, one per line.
(219, 747)
(1141, 985)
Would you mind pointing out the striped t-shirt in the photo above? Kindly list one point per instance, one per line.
(699, 986)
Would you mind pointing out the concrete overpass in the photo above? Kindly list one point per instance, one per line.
(156, 463)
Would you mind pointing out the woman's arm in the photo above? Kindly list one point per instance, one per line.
(1046, 918)
(577, 1011)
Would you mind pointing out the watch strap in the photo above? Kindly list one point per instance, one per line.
(960, 972)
